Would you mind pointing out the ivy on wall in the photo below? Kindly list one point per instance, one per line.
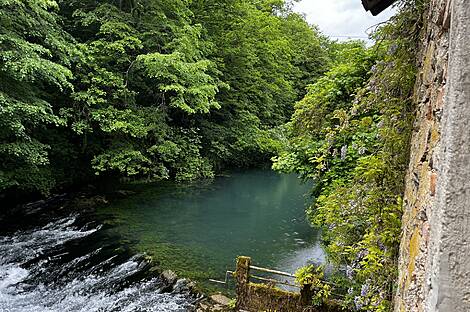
(351, 136)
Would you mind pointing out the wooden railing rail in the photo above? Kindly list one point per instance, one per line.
(271, 271)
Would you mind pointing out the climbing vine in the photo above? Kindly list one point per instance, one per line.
(350, 135)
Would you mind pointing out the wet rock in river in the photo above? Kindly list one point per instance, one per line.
(169, 277)
(182, 285)
(220, 299)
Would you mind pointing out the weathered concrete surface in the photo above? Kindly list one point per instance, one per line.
(449, 282)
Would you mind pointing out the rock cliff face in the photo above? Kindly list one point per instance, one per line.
(423, 171)
(435, 250)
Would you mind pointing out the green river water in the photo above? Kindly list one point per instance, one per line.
(198, 229)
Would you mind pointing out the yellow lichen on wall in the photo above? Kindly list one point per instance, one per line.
(413, 252)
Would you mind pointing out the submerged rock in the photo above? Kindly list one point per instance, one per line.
(123, 193)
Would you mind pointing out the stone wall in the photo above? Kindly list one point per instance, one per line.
(423, 172)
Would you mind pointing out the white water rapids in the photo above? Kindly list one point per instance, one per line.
(42, 269)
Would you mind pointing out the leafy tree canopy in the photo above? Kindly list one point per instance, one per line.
(147, 89)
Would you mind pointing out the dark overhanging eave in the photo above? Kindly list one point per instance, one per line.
(376, 6)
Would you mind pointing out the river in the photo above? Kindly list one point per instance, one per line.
(96, 262)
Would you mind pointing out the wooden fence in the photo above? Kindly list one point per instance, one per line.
(266, 297)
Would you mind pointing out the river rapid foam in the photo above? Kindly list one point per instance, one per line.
(63, 266)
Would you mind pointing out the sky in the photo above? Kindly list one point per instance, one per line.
(340, 17)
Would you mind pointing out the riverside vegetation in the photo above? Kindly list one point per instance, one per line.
(350, 134)
(146, 90)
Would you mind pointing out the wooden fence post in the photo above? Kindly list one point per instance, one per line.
(242, 275)
(306, 295)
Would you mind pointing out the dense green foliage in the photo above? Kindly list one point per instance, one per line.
(179, 89)
(146, 89)
(34, 67)
(350, 134)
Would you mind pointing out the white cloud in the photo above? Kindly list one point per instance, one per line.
(340, 17)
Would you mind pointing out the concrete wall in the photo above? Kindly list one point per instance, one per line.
(449, 266)
(435, 252)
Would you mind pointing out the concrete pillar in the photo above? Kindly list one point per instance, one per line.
(448, 288)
